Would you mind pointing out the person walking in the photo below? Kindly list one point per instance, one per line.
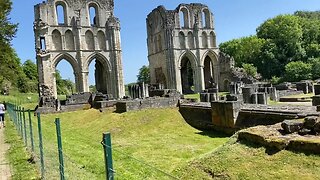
(2, 112)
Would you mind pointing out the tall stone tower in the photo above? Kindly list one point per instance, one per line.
(78, 31)
(182, 49)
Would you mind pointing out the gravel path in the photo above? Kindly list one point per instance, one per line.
(4, 164)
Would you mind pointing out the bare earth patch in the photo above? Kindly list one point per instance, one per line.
(5, 172)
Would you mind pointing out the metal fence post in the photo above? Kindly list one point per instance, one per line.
(24, 128)
(20, 122)
(40, 146)
(108, 156)
(31, 131)
(61, 166)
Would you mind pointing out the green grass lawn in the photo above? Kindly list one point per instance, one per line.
(158, 137)
(18, 156)
(240, 161)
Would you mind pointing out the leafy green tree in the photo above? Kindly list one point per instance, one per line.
(244, 50)
(64, 86)
(30, 70)
(250, 69)
(297, 71)
(7, 29)
(308, 14)
(315, 62)
(144, 74)
(285, 32)
(10, 68)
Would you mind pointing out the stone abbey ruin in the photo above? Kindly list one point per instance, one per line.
(183, 59)
(79, 39)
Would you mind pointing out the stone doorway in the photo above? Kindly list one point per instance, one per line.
(187, 76)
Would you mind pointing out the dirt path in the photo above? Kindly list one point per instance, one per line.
(4, 164)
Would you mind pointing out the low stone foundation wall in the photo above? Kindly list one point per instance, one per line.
(138, 104)
(68, 108)
(232, 116)
(104, 104)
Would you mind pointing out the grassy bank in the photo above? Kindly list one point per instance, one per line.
(247, 161)
(18, 156)
(157, 137)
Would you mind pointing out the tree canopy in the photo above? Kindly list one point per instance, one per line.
(144, 74)
(278, 42)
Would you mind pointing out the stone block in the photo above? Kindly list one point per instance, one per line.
(225, 113)
(316, 88)
(316, 100)
(291, 126)
(247, 94)
(262, 98)
(310, 121)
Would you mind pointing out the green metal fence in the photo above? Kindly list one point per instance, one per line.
(54, 163)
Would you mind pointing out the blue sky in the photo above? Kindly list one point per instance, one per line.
(233, 19)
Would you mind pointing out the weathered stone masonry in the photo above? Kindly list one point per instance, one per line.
(79, 40)
(182, 44)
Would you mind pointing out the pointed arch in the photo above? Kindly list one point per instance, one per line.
(184, 18)
(61, 13)
(206, 18)
(56, 40)
(189, 55)
(100, 57)
(213, 40)
(89, 40)
(209, 63)
(101, 40)
(69, 58)
(204, 39)
(93, 12)
(213, 55)
(182, 40)
(69, 40)
(102, 72)
(187, 66)
(190, 40)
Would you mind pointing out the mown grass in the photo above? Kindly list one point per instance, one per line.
(158, 137)
(247, 161)
(300, 96)
(18, 155)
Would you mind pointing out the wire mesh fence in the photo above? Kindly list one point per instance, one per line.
(64, 159)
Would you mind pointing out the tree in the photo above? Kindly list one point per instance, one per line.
(30, 70)
(10, 63)
(64, 86)
(285, 32)
(7, 29)
(144, 74)
(297, 71)
(250, 69)
(315, 62)
(244, 50)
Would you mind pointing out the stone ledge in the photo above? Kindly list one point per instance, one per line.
(272, 137)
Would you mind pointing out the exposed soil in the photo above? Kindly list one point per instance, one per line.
(5, 172)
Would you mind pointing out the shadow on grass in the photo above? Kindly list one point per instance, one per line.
(268, 150)
(213, 134)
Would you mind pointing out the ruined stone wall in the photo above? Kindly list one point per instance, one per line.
(79, 40)
(175, 37)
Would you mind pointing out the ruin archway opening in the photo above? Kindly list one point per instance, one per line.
(187, 76)
(65, 80)
(99, 76)
(61, 14)
(208, 71)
